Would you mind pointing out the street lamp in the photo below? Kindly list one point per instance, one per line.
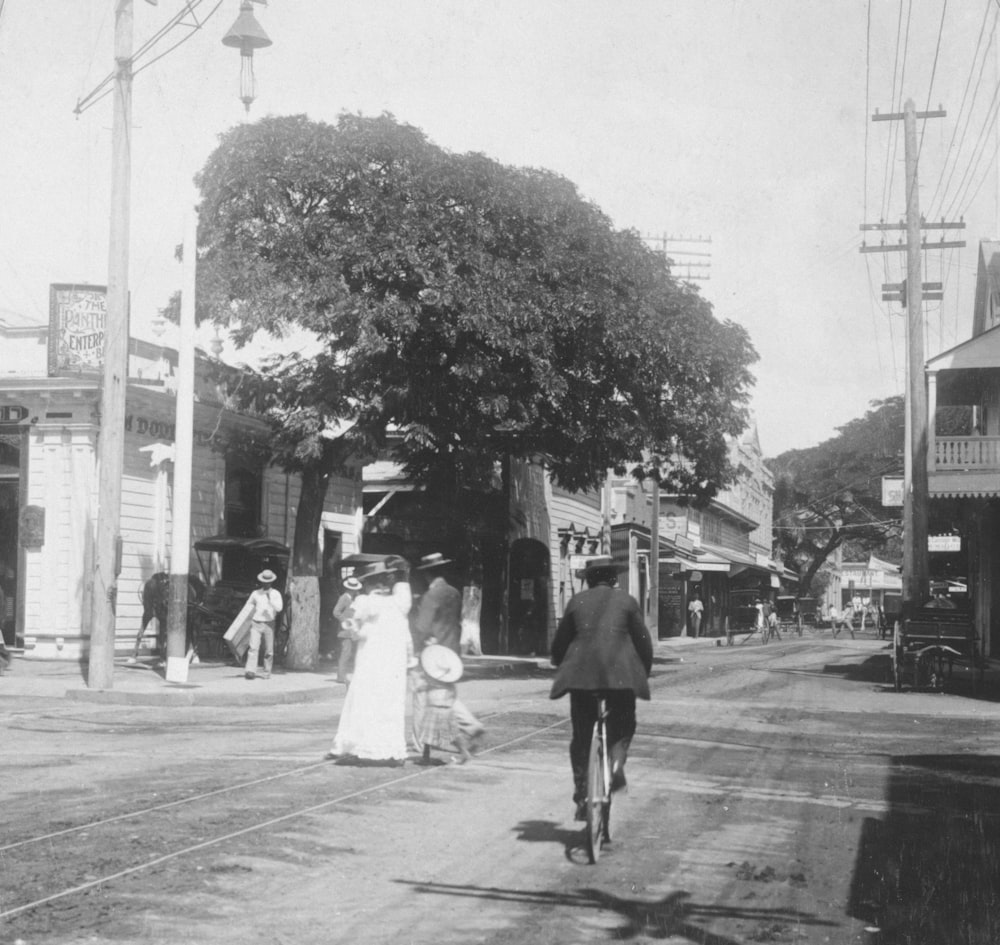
(246, 35)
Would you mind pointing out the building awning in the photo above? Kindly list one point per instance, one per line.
(959, 483)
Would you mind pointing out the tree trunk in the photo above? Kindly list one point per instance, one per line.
(472, 605)
(303, 637)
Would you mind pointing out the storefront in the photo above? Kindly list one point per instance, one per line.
(49, 489)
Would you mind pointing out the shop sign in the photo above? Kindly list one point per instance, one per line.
(78, 317)
(160, 429)
(892, 492)
(944, 542)
(12, 413)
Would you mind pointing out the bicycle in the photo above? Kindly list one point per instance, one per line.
(598, 829)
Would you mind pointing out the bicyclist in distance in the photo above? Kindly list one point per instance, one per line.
(601, 648)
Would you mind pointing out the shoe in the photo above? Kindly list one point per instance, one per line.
(250, 675)
(581, 811)
(263, 675)
(618, 782)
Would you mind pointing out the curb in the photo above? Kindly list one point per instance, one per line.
(196, 695)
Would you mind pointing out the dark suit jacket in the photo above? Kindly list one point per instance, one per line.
(439, 615)
(602, 643)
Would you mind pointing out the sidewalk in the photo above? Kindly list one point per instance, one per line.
(218, 684)
(209, 684)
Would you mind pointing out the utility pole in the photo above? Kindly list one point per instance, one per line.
(695, 263)
(111, 439)
(916, 497)
(654, 562)
(180, 536)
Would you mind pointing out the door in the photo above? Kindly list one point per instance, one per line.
(10, 506)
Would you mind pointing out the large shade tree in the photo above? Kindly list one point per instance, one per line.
(830, 496)
(471, 310)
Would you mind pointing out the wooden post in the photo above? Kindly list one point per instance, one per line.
(110, 446)
(915, 494)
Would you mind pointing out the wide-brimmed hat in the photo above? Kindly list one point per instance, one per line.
(267, 577)
(435, 560)
(602, 563)
(374, 570)
(441, 663)
(352, 584)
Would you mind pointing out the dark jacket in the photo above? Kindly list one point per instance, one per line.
(439, 615)
(602, 643)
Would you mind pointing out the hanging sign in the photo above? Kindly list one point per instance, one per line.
(892, 492)
(944, 542)
(77, 322)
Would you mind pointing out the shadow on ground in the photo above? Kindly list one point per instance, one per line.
(674, 916)
(930, 871)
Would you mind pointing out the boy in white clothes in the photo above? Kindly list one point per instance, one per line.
(267, 604)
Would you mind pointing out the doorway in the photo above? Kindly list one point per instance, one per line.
(10, 507)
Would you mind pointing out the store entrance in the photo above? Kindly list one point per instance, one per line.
(10, 482)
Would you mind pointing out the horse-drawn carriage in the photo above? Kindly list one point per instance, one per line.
(229, 568)
(927, 639)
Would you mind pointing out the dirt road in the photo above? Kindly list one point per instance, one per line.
(777, 794)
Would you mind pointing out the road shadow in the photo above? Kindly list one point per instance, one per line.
(930, 870)
(548, 831)
(674, 916)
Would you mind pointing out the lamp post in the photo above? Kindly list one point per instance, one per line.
(110, 448)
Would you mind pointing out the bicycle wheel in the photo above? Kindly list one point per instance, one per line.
(597, 791)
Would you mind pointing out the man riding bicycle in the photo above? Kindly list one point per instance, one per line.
(601, 649)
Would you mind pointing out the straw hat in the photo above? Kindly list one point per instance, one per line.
(267, 577)
(602, 563)
(374, 570)
(436, 560)
(441, 663)
(352, 584)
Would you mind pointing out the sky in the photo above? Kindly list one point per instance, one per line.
(743, 122)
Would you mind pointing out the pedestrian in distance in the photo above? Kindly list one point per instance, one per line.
(439, 621)
(441, 668)
(345, 652)
(372, 726)
(601, 649)
(267, 604)
(845, 621)
(695, 611)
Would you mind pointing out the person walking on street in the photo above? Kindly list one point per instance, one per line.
(372, 726)
(439, 620)
(695, 610)
(601, 649)
(352, 587)
(267, 604)
(845, 620)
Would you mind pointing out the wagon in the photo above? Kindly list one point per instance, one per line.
(789, 615)
(229, 578)
(927, 639)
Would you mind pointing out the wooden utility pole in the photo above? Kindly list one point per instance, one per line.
(654, 563)
(110, 446)
(916, 496)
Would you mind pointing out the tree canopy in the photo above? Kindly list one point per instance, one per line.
(830, 496)
(477, 310)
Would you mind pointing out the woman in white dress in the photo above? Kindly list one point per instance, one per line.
(372, 724)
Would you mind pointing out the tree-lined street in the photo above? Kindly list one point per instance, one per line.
(777, 794)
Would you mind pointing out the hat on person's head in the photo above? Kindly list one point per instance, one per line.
(436, 560)
(376, 569)
(602, 563)
(267, 577)
(352, 584)
(441, 663)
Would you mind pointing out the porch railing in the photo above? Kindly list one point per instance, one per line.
(966, 452)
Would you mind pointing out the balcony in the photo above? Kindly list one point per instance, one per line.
(964, 466)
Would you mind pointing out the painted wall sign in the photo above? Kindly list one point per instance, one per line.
(77, 321)
(162, 430)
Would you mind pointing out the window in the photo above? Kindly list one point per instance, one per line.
(243, 495)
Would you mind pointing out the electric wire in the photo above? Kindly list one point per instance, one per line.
(965, 94)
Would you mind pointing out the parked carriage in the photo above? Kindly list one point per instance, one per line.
(229, 578)
(928, 640)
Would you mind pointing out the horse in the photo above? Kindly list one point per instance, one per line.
(155, 600)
